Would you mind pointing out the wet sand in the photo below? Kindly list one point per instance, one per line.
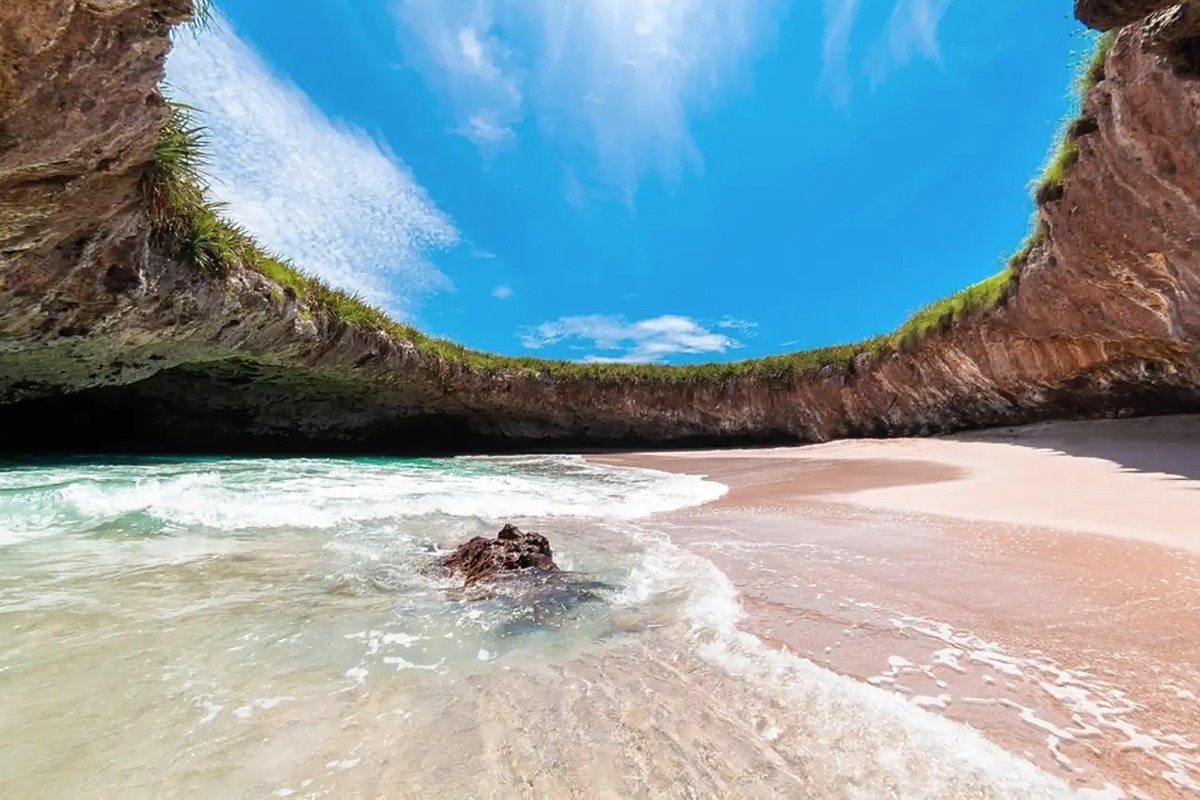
(1041, 584)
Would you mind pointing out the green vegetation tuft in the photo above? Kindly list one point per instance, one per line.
(1092, 71)
(203, 13)
(174, 190)
(1037, 234)
(991, 292)
(1065, 151)
(176, 175)
(190, 225)
(1062, 158)
(940, 314)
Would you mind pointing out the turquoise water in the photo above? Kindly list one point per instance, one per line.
(363, 528)
(256, 628)
(232, 495)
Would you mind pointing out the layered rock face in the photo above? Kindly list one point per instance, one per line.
(108, 343)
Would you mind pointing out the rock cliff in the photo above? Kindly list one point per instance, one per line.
(107, 342)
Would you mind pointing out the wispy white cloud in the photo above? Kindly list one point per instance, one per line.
(486, 131)
(646, 340)
(502, 292)
(451, 43)
(911, 31)
(835, 48)
(310, 188)
(619, 77)
(743, 326)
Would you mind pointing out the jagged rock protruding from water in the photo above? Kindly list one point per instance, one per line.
(516, 572)
(513, 550)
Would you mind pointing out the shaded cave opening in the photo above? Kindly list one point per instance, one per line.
(241, 408)
(131, 420)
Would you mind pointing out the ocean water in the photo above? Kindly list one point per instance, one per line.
(278, 628)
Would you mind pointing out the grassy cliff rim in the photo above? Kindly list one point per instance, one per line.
(190, 225)
(995, 290)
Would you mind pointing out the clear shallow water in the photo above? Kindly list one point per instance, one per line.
(256, 628)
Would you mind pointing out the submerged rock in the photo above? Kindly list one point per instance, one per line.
(516, 572)
(535, 600)
(513, 550)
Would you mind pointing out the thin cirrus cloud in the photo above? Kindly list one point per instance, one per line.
(911, 31)
(744, 327)
(312, 189)
(477, 72)
(647, 340)
(502, 292)
(835, 48)
(618, 77)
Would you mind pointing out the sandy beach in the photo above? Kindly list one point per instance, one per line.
(1041, 584)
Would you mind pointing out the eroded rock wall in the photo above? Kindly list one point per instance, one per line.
(105, 342)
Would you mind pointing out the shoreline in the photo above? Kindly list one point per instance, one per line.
(1038, 583)
(1135, 479)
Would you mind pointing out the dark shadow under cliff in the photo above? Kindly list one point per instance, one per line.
(1135, 445)
(242, 407)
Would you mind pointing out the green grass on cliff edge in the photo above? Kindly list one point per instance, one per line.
(1065, 152)
(188, 223)
(203, 12)
(990, 292)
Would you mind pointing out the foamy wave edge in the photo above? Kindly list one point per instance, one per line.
(330, 493)
(876, 740)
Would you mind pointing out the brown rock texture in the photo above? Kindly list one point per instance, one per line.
(107, 343)
(1106, 15)
(513, 550)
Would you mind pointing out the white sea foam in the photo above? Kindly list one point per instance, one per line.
(869, 738)
(234, 495)
(878, 741)
(1093, 707)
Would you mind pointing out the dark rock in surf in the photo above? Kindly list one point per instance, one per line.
(516, 572)
(513, 550)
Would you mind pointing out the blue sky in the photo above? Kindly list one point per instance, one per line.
(666, 180)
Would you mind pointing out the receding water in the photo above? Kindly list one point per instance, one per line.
(259, 628)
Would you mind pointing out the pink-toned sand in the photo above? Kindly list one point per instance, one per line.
(1041, 584)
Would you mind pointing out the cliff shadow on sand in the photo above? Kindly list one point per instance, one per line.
(1167, 446)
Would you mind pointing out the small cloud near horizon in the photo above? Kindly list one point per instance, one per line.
(643, 341)
(745, 327)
